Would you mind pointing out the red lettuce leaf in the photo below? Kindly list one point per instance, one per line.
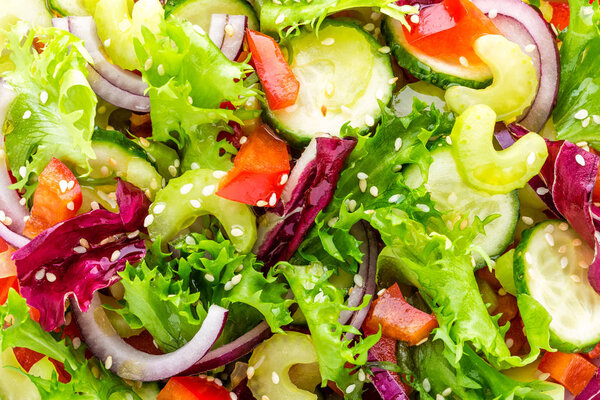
(309, 190)
(56, 265)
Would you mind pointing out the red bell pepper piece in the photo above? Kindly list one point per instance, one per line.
(56, 199)
(278, 81)
(260, 171)
(572, 371)
(28, 358)
(193, 388)
(398, 319)
(594, 353)
(8, 271)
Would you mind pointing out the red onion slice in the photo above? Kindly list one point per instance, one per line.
(85, 29)
(216, 32)
(515, 18)
(9, 199)
(233, 39)
(129, 363)
(12, 238)
(115, 95)
(358, 291)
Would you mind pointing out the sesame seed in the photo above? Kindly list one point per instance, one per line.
(159, 208)
(209, 277)
(439, 397)
(564, 262)
(261, 203)
(208, 190)
(328, 41)
(133, 234)
(544, 376)
(502, 292)
(583, 264)
(189, 240)
(449, 140)
(275, 378)
(374, 191)
(493, 13)
(369, 120)
(265, 397)
(250, 372)
(381, 292)
(550, 239)
(426, 385)
(394, 198)
(332, 221)
(71, 206)
(542, 191)
(530, 48)
(237, 232)
(23, 201)
(115, 256)
(185, 189)
(160, 70)
(239, 268)
(148, 220)
(219, 174)
(350, 388)
(280, 19)
(414, 19)
(43, 97)
(580, 160)
(79, 249)
(575, 278)
(27, 114)
(70, 185)
(463, 61)
(531, 158)
(576, 242)
(358, 280)
(449, 390)
(581, 114)
(527, 220)
(50, 277)
(398, 144)
(243, 139)
(585, 122)
(596, 119)
(562, 249)
(362, 185)
(384, 49)
(104, 170)
(393, 81)
(369, 27)
(195, 203)
(283, 180)
(172, 170)
(108, 363)
(76, 343)
(233, 396)
(39, 275)
(229, 30)
(236, 279)
(23, 171)
(228, 286)
(423, 207)
(351, 205)
(362, 175)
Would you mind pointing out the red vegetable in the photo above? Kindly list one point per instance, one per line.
(398, 319)
(594, 353)
(572, 371)
(56, 199)
(8, 271)
(193, 388)
(560, 14)
(28, 358)
(278, 81)
(447, 30)
(261, 169)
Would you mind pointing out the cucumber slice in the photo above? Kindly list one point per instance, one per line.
(342, 77)
(69, 8)
(402, 102)
(117, 156)
(450, 193)
(428, 68)
(551, 266)
(32, 11)
(165, 158)
(199, 12)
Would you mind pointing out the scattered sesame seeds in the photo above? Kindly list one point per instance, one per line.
(79, 249)
(329, 89)
(76, 343)
(550, 239)
(27, 114)
(71, 206)
(273, 200)
(350, 388)
(564, 262)
(351, 205)
(185, 189)
(228, 286)
(209, 277)
(262, 203)
(542, 191)
(493, 13)
(275, 378)
(346, 109)
(358, 280)
(265, 397)
(332, 221)
(148, 220)
(160, 69)
(23, 201)
(280, 19)
(243, 139)
(43, 97)
(219, 174)
(531, 158)
(173, 170)
(562, 249)
(362, 185)
(398, 144)
(208, 190)
(381, 292)
(527, 220)
(236, 279)
(50, 277)
(580, 160)
(115, 255)
(104, 170)
(108, 363)
(414, 18)
(585, 123)
(394, 198)
(449, 390)
(463, 61)
(39, 275)
(237, 232)
(581, 114)
(283, 180)
(133, 235)
(362, 175)
(574, 278)
(449, 140)
(159, 208)
(195, 203)
(328, 41)
(423, 207)
(426, 385)
(374, 191)
(70, 185)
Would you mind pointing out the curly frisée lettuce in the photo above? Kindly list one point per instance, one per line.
(276, 15)
(89, 378)
(53, 113)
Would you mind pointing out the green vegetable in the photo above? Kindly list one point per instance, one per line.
(170, 296)
(199, 12)
(484, 168)
(24, 332)
(53, 114)
(578, 106)
(166, 159)
(276, 15)
(504, 272)
(206, 152)
(402, 102)
(192, 195)
(321, 303)
(515, 80)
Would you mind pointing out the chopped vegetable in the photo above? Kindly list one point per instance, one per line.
(398, 319)
(8, 271)
(278, 81)
(56, 199)
(572, 371)
(261, 170)
(193, 388)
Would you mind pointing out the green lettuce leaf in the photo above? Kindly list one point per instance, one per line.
(53, 114)
(275, 15)
(89, 379)
(470, 379)
(580, 83)
(170, 296)
(321, 303)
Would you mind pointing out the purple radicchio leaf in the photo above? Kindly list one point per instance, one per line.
(309, 190)
(79, 256)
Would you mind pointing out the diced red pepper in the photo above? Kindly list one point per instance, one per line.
(28, 358)
(278, 81)
(385, 350)
(260, 171)
(446, 31)
(398, 319)
(8, 271)
(56, 199)
(193, 388)
(594, 353)
(560, 14)
(572, 371)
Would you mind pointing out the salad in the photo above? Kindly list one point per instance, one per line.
(299, 199)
